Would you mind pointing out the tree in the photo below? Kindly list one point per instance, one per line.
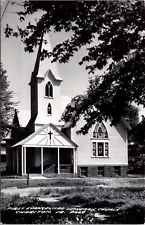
(136, 148)
(6, 103)
(119, 27)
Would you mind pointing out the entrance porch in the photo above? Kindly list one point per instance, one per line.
(47, 150)
(48, 160)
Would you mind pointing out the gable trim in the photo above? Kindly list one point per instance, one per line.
(49, 71)
(24, 141)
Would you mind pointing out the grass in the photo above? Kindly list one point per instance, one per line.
(83, 192)
(77, 182)
(129, 201)
(59, 182)
(80, 195)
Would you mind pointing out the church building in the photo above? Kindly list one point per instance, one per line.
(44, 147)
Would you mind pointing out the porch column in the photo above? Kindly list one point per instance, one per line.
(13, 160)
(17, 160)
(41, 160)
(74, 161)
(22, 160)
(58, 162)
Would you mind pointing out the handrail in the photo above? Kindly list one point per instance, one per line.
(48, 168)
(44, 162)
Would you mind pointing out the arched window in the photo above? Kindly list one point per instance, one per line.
(49, 89)
(100, 142)
(49, 109)
(100, 131)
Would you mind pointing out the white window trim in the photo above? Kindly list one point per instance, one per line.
(101, 141)
(49, 97)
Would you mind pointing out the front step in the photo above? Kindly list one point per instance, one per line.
(61, 175)
(37, 176)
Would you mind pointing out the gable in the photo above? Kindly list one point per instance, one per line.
(47, 136)
(51, 75)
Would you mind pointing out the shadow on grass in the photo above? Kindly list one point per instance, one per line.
(131, 215)
(85, 198)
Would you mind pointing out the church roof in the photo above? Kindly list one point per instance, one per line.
(56, 76)
(45, 66)
(125, 124)
(23, 116)
(47, 136)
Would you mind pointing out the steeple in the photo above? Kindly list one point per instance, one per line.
(44, 72)
(37, 63)
(15, 120)
(34, 86)
(46, 64)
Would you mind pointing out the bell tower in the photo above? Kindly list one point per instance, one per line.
(45, 89)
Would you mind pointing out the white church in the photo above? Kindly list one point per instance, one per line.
(43, 147)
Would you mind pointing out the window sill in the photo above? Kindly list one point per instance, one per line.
(100, 139)
(100, 156)
(48, 97)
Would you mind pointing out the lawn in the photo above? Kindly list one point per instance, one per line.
(87, 201)
(69, 182)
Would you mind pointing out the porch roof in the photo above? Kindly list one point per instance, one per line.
(47, 136)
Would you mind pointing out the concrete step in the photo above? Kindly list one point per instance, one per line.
(61, 175)
(37, 176)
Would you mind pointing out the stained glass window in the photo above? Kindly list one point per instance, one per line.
(100, 131)
(106, 149)
(100, 149)
(100, 146)
(94, 148)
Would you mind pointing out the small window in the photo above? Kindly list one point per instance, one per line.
(49, 90)
(94, 148)
(117, 170)
(106, 149)
(101, 170)
(100, 149)
(49, 109)
(84, 171)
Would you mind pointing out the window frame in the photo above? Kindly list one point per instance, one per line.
(97, 150)
(48, 85)
(97, 127)
(49, 105)
(117, 170)
(97, 140)
(84, 171)
(102, 170)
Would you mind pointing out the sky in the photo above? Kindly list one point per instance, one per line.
(19, 64)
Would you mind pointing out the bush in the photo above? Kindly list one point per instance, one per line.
(131, 215)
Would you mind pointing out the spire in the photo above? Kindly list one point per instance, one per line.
(15, 119)
(46, 64)
(37, 63)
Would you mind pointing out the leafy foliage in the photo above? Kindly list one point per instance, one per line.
(136, 148)
(119, 27)
(6, 103)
